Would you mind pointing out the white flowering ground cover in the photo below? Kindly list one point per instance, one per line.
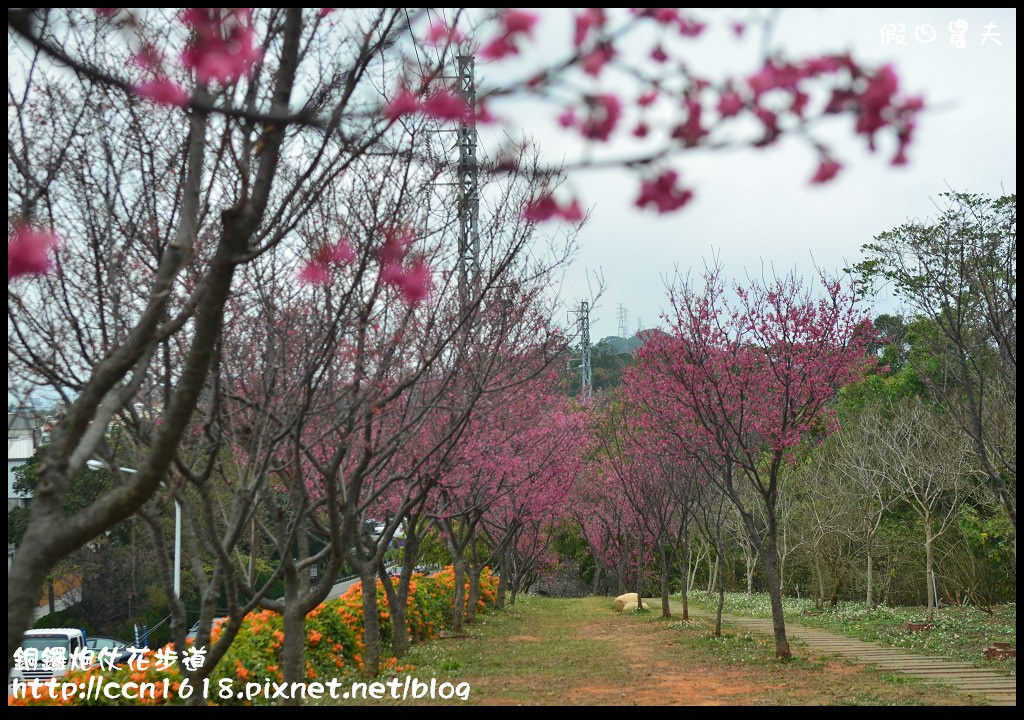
(960, 632)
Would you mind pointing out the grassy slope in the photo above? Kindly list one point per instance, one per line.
(557, 651)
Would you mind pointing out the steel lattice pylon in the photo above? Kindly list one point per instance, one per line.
(468, 181)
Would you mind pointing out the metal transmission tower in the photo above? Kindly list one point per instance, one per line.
(639, 325)
(468, 182)
(583, 318)
(623, 315)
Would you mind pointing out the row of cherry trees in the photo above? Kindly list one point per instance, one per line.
(889, 503)
(711, 415)
(229, 238)
(774, 429)
(312, 356)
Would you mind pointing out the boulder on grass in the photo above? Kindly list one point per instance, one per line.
(627, 602)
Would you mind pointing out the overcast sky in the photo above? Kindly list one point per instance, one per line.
(755, 208)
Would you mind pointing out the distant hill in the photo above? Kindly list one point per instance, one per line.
(618, 345)
(608, 358)
(623, 346)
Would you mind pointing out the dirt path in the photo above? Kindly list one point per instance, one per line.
(555, 651)
(656, 679)
(993, 687)
(604, 658)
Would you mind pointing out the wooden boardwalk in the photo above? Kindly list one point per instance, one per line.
(985, 685)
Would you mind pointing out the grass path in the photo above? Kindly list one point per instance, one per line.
(551, 651)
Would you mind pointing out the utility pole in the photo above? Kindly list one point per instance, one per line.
(468, 182)
(583, 320)
(585, 386)
(623, 315)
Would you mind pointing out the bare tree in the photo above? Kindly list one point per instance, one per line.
(928, 463)
(711, 512)
(856, 457)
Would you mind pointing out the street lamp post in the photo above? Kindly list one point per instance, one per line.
(98, 465)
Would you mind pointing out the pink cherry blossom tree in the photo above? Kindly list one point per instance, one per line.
(601, 517)
(644, 478)
(515, 465)
(369, 389)
(546, 458)
(746, 377)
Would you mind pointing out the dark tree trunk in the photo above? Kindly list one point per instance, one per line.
(371, 624)
(639, 584)
(778, 618)
(767, 548)
(929, 573)
(666, 610)
(751, 559)
(502, 586)
(504, 576)
(293, 649)
(474, 592)
(396, 609)
(713, 568)
(400, 609)
(459, 599)
(721, 593)
(684, 568)
(869, 600)
(296, 585)
(819, 600)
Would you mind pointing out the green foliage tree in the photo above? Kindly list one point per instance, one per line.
(84, 488)
(119, 584)
(958, 275)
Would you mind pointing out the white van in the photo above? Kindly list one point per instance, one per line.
(72, 640)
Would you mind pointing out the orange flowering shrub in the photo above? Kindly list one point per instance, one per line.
(488, 587)
(334, 643)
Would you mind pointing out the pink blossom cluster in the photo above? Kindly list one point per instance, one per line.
(29, 250)
(664, 193)
(441, 33)
(412, 281)
(518, 459)
(673, 18)
(586, 22)
(546, 207)
(223, 47)
(872, 97)
(443, 104)
(603, 115)
(318, 270)
(515, 25)
(742, 378)
(778, 96)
